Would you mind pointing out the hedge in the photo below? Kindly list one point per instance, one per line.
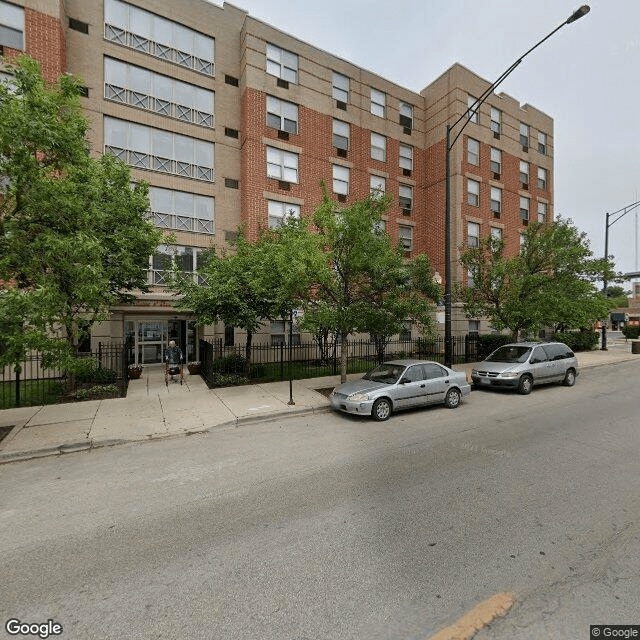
(631, 332)
(578, 340)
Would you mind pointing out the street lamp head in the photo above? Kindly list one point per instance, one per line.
(578, 13)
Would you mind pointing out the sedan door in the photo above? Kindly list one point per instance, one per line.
(411, 390)
(438, 381)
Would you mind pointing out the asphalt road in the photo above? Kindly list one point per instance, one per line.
(338, 527)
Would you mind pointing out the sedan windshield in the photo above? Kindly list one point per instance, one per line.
(386, 373)
(510, 354)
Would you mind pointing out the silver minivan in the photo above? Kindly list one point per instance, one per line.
(522, 365)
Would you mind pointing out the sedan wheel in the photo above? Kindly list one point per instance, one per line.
(525, 385)
(452, 399)
(381, 409)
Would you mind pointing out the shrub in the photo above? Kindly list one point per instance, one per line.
(89, 370)
(578, 340)
(631, 332)
(233, 363)
(227, 380)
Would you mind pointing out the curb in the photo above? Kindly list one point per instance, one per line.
(86, 445)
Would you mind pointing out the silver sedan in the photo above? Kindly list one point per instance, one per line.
(400, 384)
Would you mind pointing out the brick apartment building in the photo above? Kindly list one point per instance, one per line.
(232, 121)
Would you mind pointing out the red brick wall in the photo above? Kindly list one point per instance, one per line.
(45, 42)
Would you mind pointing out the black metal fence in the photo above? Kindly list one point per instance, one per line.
(224, 365)
(33, 382)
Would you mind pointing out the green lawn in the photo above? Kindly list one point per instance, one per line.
(32, 393)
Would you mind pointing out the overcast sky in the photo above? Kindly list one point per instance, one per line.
(586, 77)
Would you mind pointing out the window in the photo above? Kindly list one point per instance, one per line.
(144, 147)
(496, 119)
(282, 165)
(522, 240)
(542, 178)
(524, 134)
(542, 143)
(282, 115)
(156, 36)
(471, 114)
(144, 89)
(496, 200)
(473, 234)
(405, 235)
(470, 281)
(377, 186)
(231, 80)
(406, 157)
(11, 26)
(378, 102)
(524, 208)
(340, 89)
(78, 25)
(340, 138)
(524, 172)
(496, 161)
(379, 227)
(229, 336)
(279, 211)
(473, 151)
(405, 336)
(473, 193)
(474, 327)
(166, 257)
(282, 63)
(340, 180)
(496, 233)
(378, 147)
(181, 211)
(405, 197)
(277, 332)
(406, 115)
(542, 212)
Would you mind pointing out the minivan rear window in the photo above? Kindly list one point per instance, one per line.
(511, 353)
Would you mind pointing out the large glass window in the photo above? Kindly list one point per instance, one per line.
(377, 186)
(473, 234)
(496, 160)
(340, 88)
(282, 165)
(167, 257)
(542, 143)
(378, 147)
(406, 157)
(496, 200)
(524, 172)
(524, 134)
(282, 63)
(473, 192)
(280, 211)
(181, 211)
(282, 115)
(496, 119)
(157, 36)
(542, 178)
(524, 208)
(11, 26)
(340, 180)
(340, 139)
(472, 112)
(406, 115)
(405, 197)
(542, 212)
(157, 150)
(473, 151)
(378, 102)
(166, 96)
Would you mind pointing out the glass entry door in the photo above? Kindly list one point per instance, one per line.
(151, 337)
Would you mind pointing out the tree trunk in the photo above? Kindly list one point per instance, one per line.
(344, 354)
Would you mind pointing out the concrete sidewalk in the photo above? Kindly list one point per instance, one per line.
(154, 410)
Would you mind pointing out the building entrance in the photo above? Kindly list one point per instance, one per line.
(151, 337)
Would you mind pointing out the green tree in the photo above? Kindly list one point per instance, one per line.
(74, 240)
(551, 282)
(361, 282)
(617, 297)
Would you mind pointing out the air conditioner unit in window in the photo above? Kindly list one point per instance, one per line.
(341, 105)
(525, 186)
(525, 148)
(342, 197)
(407, 131)
(283, 135)
(406, 172)
(283, 84)
(496, 176)
(283, 184)
(342, 153)
(496, 135)
(406, 212)
(525, 222)
(496, 214)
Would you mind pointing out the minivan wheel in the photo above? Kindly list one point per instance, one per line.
(452, 399)
(381, 409)
(569, 378)
(525, 385)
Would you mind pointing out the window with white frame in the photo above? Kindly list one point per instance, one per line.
(542, 212)
(144, 147)
(377, 186)
(144, 89)
(496, 120)
(154, 35)
(277, 332)
(378, 147)
(340, 87)
(496, 232)
(405, 197)
(524, 208)
(11, 26)
(282, 115)
(340, 139)
(280, 211)
(405, 236)
(524, 172)
(406, 157)
(282, 165)
(524, 134)
(340, 180)
(473, 234)
(473, 151)
(542, 178)
(472, 115)
(181, 211)
(282, 64)
(473, 192)
(474, 326)
(378, 102)
(166, 258)
(542, 143)
(496, 160)
(406, 115)
(496, 200)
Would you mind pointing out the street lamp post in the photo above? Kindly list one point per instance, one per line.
(448, 346)
(623, 212)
